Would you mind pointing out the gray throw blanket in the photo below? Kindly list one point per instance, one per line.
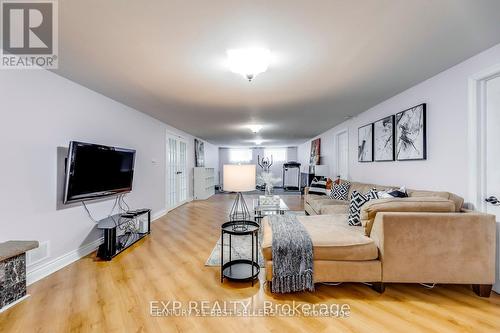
(292, 255)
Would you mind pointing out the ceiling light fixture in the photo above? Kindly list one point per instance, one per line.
(248, 62)
(255, 128)
(258, 142)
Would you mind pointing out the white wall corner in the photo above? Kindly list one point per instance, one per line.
(159, 214)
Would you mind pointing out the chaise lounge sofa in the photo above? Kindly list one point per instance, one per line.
(425, 238)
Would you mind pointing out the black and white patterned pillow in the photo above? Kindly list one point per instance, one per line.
(340, 191)
(357, 201)
(372, 194)
(318, 187)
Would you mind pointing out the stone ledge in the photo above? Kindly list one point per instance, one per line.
(11, 249)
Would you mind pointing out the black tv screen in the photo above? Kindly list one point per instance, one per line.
(95, 171)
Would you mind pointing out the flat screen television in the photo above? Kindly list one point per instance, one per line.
(95, 171)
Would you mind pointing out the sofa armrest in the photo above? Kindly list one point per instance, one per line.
(436, 247)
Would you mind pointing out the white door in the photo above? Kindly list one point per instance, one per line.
(176, 172)
(493, 157)
(342, 155)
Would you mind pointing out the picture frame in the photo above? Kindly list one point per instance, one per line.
(411, 134)
(365, 143)
(199, 153)
(383, 139)
(315, 151)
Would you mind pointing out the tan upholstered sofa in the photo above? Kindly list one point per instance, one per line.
(425, 238)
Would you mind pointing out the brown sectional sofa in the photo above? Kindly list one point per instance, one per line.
(425, 238)
(320, 204)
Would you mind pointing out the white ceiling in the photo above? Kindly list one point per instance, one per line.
(333, 58)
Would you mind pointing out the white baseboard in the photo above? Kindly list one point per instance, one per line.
(52, 266)
(43, 270)
(159, 214)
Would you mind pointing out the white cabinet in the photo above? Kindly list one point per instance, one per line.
(204, 183)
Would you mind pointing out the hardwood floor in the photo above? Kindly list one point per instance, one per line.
(94, 296)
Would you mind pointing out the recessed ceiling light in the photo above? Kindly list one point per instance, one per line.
(248, 62)
(258, 142)
(255, 128)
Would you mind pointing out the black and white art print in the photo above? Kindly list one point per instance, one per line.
(411, 138)
(383, 133)
(199, 153)
(365, 143)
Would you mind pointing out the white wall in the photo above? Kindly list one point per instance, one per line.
(212, 159)
(446, 167)
(42, 111)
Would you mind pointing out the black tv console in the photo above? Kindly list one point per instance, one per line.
(129, 224)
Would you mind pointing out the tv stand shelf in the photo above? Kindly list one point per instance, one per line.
(115, 243)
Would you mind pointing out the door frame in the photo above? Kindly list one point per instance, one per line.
(336, 135)
(171, 135)
(477, 136)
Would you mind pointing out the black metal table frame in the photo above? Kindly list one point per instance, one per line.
(254, 262)
(108, 249)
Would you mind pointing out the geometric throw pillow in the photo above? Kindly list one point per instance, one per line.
(318, 187)
(340, 191)
(357, 201)
(372, 194)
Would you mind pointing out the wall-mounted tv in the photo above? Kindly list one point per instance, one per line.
(95, 171)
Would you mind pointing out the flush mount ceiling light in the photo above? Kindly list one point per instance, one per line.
(258, 142)
(255, 128)
(248, 62)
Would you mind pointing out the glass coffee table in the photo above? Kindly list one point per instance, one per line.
(262, 210)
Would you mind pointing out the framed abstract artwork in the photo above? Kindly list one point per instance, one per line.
(383, 134)
(315, 152)
(199, 153)
(411, 134)
(365, 143)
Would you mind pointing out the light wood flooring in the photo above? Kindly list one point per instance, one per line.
(95, 296)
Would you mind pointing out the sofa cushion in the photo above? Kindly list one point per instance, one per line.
(318, 204)
(311, 197)
(458, 201)
(332, 239)
(410, 204)
(334, 209)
